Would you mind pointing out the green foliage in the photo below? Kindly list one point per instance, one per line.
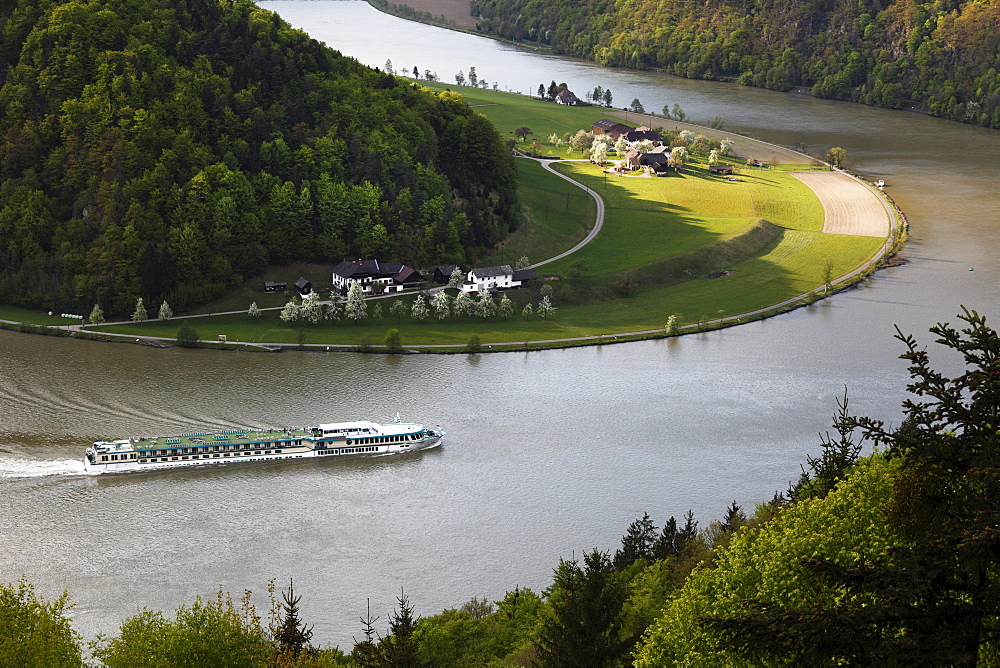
(474, 345)
(167, 150)
(941, 58)
(582, 625)
(762, 563)
(393, 345)
(187, 336)
(207, 633)
(292, 635)
(34, 633)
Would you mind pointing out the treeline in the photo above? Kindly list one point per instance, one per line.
(938, 57)
(892, 559)
(167, 150)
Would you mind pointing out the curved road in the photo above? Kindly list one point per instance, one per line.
(598, 223)
(601, 338)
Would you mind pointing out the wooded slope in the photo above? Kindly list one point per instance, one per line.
(167, 149)
(941, 57)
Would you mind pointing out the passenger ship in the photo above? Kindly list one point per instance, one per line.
(244, 445)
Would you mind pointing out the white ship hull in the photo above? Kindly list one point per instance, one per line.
(354, 439)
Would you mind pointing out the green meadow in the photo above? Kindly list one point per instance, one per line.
(694, 245)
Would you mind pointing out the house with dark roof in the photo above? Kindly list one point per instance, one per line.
(658, 156)
(275, 286)
(607, 126)
(567, 97)
(443, 273)
(392, 276)
(303, 286)
(720, 169)
(641, 133)
(489, 278)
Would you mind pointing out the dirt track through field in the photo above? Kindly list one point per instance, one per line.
(849, 207)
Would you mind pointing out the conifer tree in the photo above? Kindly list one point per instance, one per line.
(293, 636)
(165, 312)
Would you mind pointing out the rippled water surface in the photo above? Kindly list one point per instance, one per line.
(547, 453)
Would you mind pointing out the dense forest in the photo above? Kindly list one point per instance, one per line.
(938, 56)
(167, 149)
(889, 559)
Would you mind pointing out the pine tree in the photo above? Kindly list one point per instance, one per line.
(165, 312)
(366, 653)
(399, 649)
(293, 635)
(254, 311)
(584, 626)
(637, 543)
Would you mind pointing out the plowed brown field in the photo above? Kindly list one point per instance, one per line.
(849, 207)
(456, 9)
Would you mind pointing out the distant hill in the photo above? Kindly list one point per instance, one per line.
(941, 57)
(166, 149)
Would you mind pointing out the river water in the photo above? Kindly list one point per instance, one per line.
(548, 453)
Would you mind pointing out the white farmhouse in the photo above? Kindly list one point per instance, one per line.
(500, 278)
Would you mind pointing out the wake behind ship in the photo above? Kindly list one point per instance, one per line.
(244, 445)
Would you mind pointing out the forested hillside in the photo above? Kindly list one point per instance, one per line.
(941, 56)
(166, 149)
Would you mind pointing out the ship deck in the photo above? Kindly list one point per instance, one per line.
(224, 437)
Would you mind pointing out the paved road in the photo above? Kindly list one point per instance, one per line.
(604, 338)
(598, 223)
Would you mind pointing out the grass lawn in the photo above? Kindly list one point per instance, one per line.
(650, 219)
(508, 111)
(36, 317)
(671, 232)
(557, 216)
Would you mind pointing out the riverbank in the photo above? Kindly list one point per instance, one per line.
(600, 323)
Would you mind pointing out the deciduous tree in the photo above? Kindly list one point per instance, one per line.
(356, 308)
(139, 314)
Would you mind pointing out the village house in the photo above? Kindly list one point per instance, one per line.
(642, 132)
(502, 277)
(607, 126)
(393, 276)
(303, 286)
(657, 157)
(443, 273)
(720, 169)
(567, 97)
(632, 160)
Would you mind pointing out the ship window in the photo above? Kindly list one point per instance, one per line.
(267, 452)
(175, 459)
(142, 461)
(215, 455)
(184, 458)
(277, 452)
(104, 458)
